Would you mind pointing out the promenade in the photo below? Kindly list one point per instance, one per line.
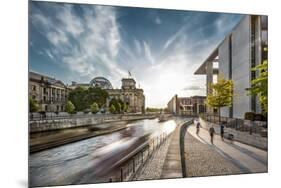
(223, 157)
(203, 158)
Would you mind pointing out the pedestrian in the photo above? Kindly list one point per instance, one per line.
(197, 127)
(222, 130)
(212, 132)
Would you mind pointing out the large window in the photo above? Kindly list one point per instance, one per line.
(253, 56)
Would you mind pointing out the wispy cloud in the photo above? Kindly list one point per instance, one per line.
(158, 20)
(194, 88)
(90, 43)
(87, 44)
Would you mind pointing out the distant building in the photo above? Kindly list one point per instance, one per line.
(186, 105)
(132, 96)
(49, 93)
(242, 49)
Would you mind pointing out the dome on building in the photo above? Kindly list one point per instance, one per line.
(101, 82)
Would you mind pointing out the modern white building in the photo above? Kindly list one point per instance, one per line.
(241, 50)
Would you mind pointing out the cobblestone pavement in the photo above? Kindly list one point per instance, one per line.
(205, 159)
(153, 167)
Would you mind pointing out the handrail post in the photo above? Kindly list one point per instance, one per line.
(133, 164)
(121, 174)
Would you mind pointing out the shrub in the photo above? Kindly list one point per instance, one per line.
(70, 108)
(112, 109)
(33, 105)
(259, 117)
(249, 116)
(94, 108)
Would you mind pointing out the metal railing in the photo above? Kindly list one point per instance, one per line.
(257, 127)
(135, 160)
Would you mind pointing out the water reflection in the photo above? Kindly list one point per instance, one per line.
(86, 160)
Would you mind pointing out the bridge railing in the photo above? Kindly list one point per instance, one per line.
(132, 163)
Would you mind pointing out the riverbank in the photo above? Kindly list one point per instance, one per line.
(41, 141)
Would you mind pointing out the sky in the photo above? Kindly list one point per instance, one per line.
(160, 48)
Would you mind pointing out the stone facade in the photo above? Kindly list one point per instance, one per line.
(187, 105)
(49, 93)
(129, 93)
(132, 96)
(52, 94)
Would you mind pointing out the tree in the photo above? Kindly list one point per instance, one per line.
(33, 105)
(118, 107)
(125, 107)
(221, 95)
(83, 98)
(94, 108)
(112, 109)
(78, 98)
(70, 108)
(96, 94)
(260, 85)
(118, 104)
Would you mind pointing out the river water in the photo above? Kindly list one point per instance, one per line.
(83, 161)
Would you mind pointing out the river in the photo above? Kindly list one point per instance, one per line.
(86, 160)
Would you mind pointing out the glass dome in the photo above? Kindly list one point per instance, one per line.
(101, 82)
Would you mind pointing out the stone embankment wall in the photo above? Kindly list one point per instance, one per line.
(72, 122)
(244, 137)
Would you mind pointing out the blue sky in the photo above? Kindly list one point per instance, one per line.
(161, 48)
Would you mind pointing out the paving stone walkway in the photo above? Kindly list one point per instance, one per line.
(223, 157)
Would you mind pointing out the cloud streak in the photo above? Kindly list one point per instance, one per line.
(90, 41)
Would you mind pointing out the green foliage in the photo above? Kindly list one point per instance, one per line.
(249, 116)
(83, 98)
(148, 109)
(112, 109)
(70, 108)
(94, 108)
(125, 107)
(33, 105)
(260, 85)
(222, 94)
(119, 105)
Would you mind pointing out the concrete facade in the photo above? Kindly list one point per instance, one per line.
(76, 121)
(241, 50)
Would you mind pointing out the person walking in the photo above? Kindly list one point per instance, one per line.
(197, 127)
(212, 132)
(222, 131)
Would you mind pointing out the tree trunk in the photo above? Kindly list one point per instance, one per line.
(219, 112)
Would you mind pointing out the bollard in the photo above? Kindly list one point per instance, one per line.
(110, 179)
